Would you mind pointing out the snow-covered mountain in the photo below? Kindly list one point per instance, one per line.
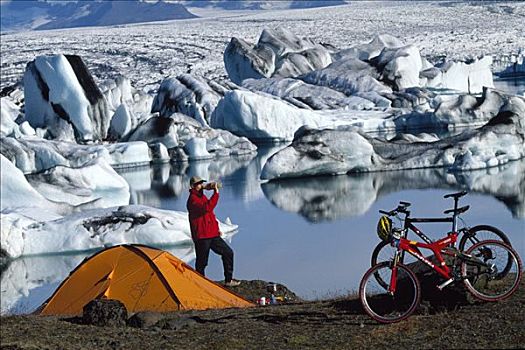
(38, 15)
(261, 5)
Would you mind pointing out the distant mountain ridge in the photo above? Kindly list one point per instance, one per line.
(19, 15)
(261, 4)
(40, 15)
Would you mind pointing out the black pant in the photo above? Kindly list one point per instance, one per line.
(218, 246)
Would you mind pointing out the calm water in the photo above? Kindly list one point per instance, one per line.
(512, 85)
(314, 235)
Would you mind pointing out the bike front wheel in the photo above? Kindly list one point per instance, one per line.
(385, 252)
(482, 270)
(387, 307)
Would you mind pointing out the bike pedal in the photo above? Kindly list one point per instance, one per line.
(444, 284)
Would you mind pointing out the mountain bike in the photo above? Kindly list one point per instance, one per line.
(480, 268)
(469, 235)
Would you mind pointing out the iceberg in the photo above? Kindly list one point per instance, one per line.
(278, 52)
(399, 67)
(263, 117)
(186, 139)
(33, 154)
(95, 228)
(345, 149)
(470, 76)
(188, 95)
(61, 95)
(128, 107)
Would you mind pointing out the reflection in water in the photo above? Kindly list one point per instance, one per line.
(150, 185)
(335, 197)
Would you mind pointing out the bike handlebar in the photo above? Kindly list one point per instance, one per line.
(401, 208)
(455, 195)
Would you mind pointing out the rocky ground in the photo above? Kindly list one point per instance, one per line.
(328, 324)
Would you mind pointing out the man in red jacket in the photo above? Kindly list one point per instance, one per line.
(205, 229)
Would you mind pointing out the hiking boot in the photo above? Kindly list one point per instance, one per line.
(232, 283)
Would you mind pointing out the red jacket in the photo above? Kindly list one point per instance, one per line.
(203, 223)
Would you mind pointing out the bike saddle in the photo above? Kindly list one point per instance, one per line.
(458, 210)
(455, 195)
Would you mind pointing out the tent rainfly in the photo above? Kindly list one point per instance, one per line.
(143, 279)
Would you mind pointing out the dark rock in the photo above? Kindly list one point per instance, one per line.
(434, 300)
(177, 323)
(105, 312)
(145, 319)
(253, 290)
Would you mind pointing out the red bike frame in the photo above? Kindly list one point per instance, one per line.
(412, 247)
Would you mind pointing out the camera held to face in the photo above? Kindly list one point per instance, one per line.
(212, 185)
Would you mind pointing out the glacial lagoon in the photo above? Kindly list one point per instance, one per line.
(314, 235)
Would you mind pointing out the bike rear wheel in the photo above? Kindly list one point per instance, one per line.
(379, 303)
(481, 233)
(482, 272)
(484, 233)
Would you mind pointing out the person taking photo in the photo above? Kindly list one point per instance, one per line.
(205, 229)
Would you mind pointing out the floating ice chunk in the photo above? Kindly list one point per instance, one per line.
(468, 109)
(128, 154)
(121, 122)
(129, 106)
(117, 92)
(242, 61)
(16, 191)
(32, 154)
(196, 149)
(331, 152)
(278, 52)
(259, 117)
(366, 52)
(400, 66)
(61, 95)
(264, 117)
(349, 76)
(293, 64)
(468, 77)
(186, 94)
(9, 111)
(308, 96)
(155, 130)
(322, 152)
(175, 132)
(96, 181)
(96, 228)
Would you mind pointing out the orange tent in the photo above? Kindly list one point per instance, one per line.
(141, 277)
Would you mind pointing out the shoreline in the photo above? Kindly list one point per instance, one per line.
(325, 324)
